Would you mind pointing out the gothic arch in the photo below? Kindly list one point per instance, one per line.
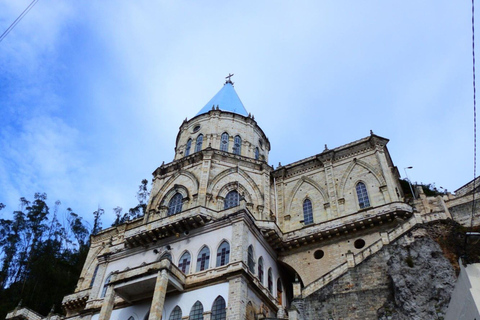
(311, 182)
(173, 191)
(168, 183)
(351, 166)
(235, 186)
(240, 172)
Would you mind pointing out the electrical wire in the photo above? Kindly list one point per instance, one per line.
(19, 18)
(474, 116)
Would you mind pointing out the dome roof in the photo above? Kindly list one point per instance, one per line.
(227, 100)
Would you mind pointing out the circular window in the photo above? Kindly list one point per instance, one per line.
(359, 243)
(196, 128)
(318, 254)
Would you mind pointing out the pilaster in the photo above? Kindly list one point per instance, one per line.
(331, 187)
(237, 299)
(158, 300)
(205, 173)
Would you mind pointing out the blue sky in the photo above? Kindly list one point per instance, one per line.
(92, 93)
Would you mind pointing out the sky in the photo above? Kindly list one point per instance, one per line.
(92, 93)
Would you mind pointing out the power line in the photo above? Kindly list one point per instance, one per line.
(20, 17)
(474, 116)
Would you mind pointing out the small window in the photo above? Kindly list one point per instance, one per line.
(270, 280)
(251, 259)
(219, 311)
(188, 146)
(176, 314)
(224, 142)
(198, 143)
(184, 263)
(362, 195)
(307, 212)
(203, 259)
(175, 204)
(105, 286)
(196, 313)
(223, 254)
(257, 153)
(237, 145)
(260, 270)
(359, 244)
(196, 128)
(318, 254)
(232, 199)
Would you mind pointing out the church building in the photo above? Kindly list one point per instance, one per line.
(228, 236)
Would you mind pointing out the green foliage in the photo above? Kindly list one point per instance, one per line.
(41, 259)
(137, 211)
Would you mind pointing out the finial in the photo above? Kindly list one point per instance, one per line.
(228, 79)
(326, 148)
(213, 107)
(371, 132)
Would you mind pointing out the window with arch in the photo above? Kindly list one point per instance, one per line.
(184, 263)
(257, 153)
(362, 195)
(237, 145)
(270, 280)
(203, 259)
(219, 311)
(307, 212)
(175, 204)
(188, 147)
(250, 259)
(224, 142)
(223, 254)
(105, 286)
(196, 313)
(176, 314)
(232, 199)
(198, 143)
(94, 276)
(260, 270)
(279, 291)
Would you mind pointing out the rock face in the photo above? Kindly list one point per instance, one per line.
(410, 279)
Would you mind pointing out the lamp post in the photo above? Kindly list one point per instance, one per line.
(408, 179)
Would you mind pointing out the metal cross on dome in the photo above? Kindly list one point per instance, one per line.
(228, 78)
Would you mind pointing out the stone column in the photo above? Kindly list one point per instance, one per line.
(237, 299)
(159, 295)
(107, 305)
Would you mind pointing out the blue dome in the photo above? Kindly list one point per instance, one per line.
(227, 100)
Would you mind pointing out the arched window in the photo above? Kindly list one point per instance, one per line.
(232, 199)
(279, 291)
(196, 313)
(362, 195)
(198, 143)
(176, 314)
(203, 259)
(175, 204)
(187, 147)
(184, 263)
(223, 254)
(237, 145)
(105, 286)
(270, 280)
(260, 269)
(250, 259)
(219, 311)
(257, 153)
(94, 276)
(224, 142)
(307, 212)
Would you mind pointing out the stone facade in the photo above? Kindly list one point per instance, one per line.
(227, 236)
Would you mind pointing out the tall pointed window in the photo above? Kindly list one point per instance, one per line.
(270, 280)
(250, 259)
(260, 269)
(307, 212)
(176, 314)
(203, 259)
(232, 199)
(198, 143)
(223, 254)
(94, 276)
(257, 153)
(279, 291)
(105, 286)
(175, 204)
(196, 313)
(219, 311)
(187, 147)
(184, 263)
(362, 195)
(224, 142)
(237, 145)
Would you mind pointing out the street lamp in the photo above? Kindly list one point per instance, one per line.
(408, 179)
